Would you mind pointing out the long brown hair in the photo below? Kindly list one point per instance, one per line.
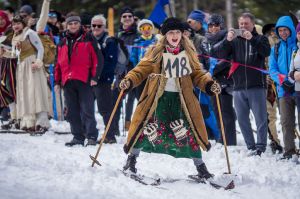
(155, 53)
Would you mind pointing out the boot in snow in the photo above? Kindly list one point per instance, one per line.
(203, 172)
(276, 147)
(130, 163)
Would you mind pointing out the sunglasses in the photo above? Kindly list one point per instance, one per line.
(127, 16)
(52, 15)
(97, 25)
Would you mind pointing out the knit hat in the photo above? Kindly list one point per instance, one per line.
(298, 28)
(145, 21)
(73, 18)
(26, 9)
(197, 15)
(215, 19)
(126, 10)
(171, 23)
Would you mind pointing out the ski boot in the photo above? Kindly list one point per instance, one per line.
(276, 147)
(203, 172)
(130, 163)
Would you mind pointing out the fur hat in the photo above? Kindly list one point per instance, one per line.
(171, 23)
(145, 21)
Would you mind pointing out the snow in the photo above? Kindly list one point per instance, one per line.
(42, 167)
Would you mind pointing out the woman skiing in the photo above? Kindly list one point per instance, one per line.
(168, 117)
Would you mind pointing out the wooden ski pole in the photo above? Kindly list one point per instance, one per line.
(297, 135)
(94, 158)
(223, 133)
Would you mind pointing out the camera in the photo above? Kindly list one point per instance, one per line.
(238, 32)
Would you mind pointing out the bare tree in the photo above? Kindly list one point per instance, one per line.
(229, 17)
(195, 4)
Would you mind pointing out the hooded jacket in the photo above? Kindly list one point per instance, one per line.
(279, 62)
(251, 53)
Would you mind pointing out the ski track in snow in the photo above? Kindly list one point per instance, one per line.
(42, 167)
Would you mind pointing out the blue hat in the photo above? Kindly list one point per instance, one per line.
(197, 15)
(26, 9)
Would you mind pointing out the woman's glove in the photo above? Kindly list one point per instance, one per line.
(213, 88)
(124, 84)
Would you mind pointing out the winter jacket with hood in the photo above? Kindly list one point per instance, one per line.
(279, 62)
(251, 53)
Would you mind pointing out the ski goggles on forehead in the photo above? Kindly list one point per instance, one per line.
(146, 27)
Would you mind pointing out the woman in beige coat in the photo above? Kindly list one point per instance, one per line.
(168, 117)
(32, 99)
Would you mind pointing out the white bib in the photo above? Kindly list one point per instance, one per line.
(176, 65)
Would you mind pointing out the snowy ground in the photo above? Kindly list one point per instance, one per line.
(42, 167)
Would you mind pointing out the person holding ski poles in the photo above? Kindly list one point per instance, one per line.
(168, 116)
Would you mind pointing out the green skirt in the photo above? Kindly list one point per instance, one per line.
(168, 110)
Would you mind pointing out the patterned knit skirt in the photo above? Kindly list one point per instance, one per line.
(163, 139)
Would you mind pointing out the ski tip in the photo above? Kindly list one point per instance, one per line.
(231, 185)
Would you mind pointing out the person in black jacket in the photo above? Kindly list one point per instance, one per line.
(248, 48)
(102, 90)
(127, 33)
(219, 69)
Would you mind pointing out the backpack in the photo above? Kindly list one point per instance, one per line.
(123, 55)
(49, 49)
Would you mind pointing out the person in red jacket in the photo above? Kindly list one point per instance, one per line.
(78, 67)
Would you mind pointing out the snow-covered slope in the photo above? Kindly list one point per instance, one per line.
(42, 167)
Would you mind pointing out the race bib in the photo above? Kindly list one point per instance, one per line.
(176, 65)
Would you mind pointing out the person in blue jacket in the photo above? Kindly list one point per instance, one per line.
(140, 46)
(279, 62)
